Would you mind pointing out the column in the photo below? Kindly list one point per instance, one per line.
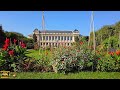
(42, 37)
(45, 38)
(48, 38)
(52, 38)
(73, 38)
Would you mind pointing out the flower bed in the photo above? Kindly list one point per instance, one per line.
(63, 59)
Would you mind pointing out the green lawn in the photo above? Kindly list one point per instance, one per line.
(33, 53)
(80, 75)
(36, 54)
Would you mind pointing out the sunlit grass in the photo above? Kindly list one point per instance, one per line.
(38, 54)
(80, 75)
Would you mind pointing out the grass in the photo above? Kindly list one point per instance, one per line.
(80, 75)
(35, 53)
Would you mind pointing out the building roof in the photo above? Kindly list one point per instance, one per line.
(56, 31)
(30, 35)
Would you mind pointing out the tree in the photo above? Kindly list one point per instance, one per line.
(34, 37)
(2, 36)
(76, 39)
(108, 35)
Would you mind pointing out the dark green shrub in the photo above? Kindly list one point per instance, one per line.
(30, 46)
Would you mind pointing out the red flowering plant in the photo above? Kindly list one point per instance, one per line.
(11, 53)
(110, 62)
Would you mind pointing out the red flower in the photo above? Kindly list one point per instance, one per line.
(5, 46)
(81, 43)
(111, 53)
(118, 52)
(23, 45)
(15, 41)
(7, 41)
(11, 52)
(98, 58)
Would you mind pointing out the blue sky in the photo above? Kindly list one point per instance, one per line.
(26, 21)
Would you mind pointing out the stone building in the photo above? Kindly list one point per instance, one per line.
(55, 38)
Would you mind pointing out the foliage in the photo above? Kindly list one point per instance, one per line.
(106, 32)
(110, 62)
(42, 59)
(111, 42)
(2, 36)
(30, 45)
(11, 53)
(36, 47)
(70, 60)
(34, 37)
(77, 39)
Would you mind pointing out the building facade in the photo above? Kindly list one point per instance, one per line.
(55, 38)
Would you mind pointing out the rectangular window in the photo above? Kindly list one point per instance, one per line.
(43, 37)
(71, 38)
(52, 37)
(61, 37)
(46, 37)
(65, 37)
(58, 37)
(55, 37)
(49, 37)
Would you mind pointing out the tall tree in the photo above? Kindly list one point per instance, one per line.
(34, 37)
(2, 36)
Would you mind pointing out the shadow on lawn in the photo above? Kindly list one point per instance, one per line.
(28, 52)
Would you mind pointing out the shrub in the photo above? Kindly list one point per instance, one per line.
(72, 60)
(110, 62)
(36, 47)
(11, 53)
(30, 46)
